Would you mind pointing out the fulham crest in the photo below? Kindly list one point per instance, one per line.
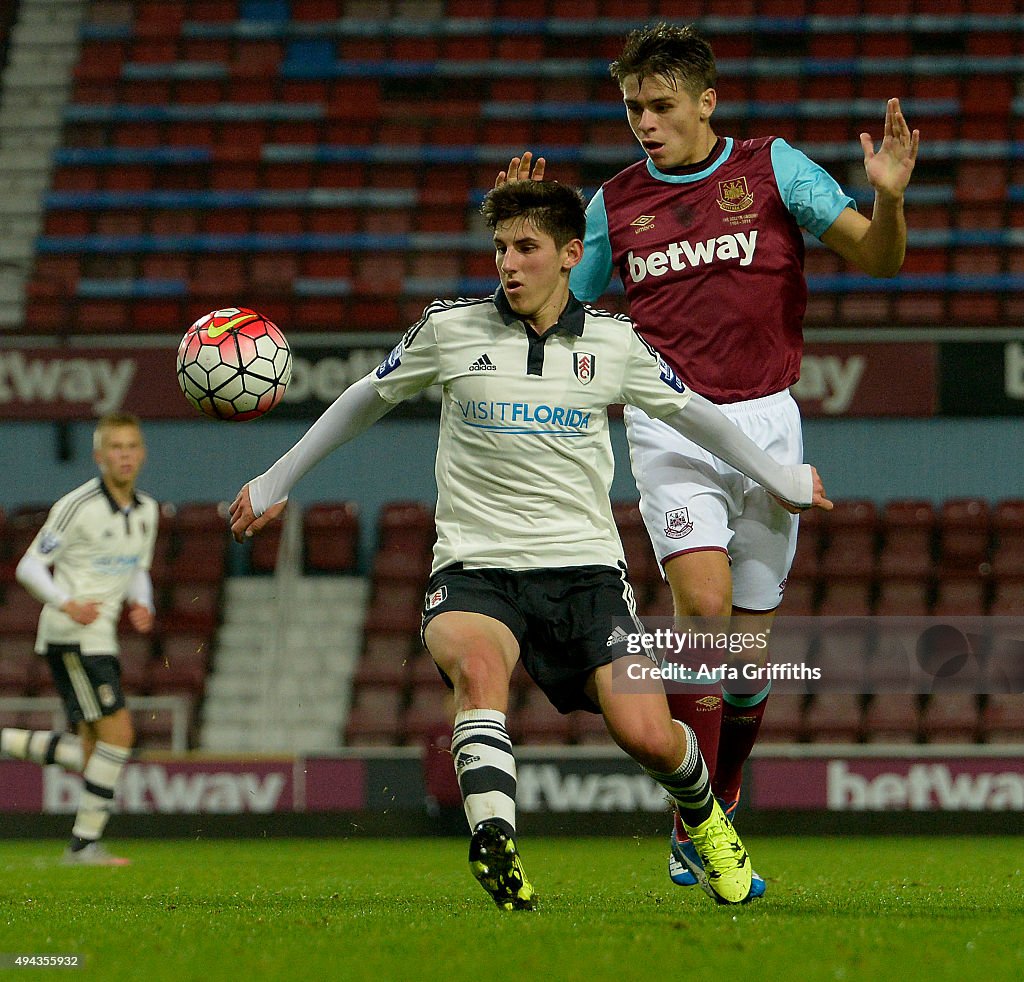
(439, 596)
(584, 365)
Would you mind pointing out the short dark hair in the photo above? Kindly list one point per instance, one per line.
(670, 52)
(550, 207)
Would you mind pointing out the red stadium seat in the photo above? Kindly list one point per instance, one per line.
(833, 717)
(783, 718)
(964, 535)
(375, 717)
(331, 536)
(1002, 719)
(891, 717)
(950, 717)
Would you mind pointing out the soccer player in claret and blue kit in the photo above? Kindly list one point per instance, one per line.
(706, 236)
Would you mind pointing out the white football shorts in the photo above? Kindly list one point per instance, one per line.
(691, 501)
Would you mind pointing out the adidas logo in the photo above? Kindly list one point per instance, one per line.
(483, 364)
(616, 637)
(465, 759)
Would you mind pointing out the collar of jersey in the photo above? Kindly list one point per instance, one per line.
(114, 506)
(570, 321)
(699, 175)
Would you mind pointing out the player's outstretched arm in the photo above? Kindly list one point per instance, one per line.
(522, 169)
(354, 411)
(797, 487)
(878, 246)
(818, 497)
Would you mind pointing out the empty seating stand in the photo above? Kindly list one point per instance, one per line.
(313, 157)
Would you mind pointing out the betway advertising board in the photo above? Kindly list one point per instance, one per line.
(888, 784)
(837, 380)
(551, 781)
(208, 786)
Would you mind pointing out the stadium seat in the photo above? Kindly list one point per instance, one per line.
(330, 533)
(960, 596)
(263, 555)
(903, 596)
(538, 722)
(17, 665)
(135, 658)
(891, 717)
(429, 710)
(191, 607)
(181, 666)
(846, 598)
(800, 598)
(950, 717)
(19, 612)
(375, 717)
(385, 660)
(406, 526)
(852, 540)
(833, 717)
(783, 718)
(964, 535)
(1008, 595)
(910, 522)
(1002, 719)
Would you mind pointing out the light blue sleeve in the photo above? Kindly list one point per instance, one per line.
(810, 193)
(591, 277)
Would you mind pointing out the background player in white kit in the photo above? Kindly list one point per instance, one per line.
(706, 235)
(528, 563)
(98, 540)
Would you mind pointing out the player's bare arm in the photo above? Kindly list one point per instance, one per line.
(244, 523)
(522, 169)
(878, 246)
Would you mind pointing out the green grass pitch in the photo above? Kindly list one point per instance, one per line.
(252, 910)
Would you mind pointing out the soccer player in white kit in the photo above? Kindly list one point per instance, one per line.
(528, 562)
(91, 556)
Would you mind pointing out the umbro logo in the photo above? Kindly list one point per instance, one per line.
(465, 759)
(643, 223)
(483, 364)
(617, 636)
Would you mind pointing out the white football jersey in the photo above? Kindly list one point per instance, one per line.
(524, 461)
(94, 547)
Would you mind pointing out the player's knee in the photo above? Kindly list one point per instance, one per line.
(478, 674)
(708, 600)
(653, 747)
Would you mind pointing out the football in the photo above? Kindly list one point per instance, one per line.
(234, 364)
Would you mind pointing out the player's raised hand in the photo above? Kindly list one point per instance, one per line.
(890, 168)
(522, 169)
(244, 523)
(141, 618)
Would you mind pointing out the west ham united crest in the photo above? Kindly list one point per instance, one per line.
(584, 364)
(734, 195)
(677, 523)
